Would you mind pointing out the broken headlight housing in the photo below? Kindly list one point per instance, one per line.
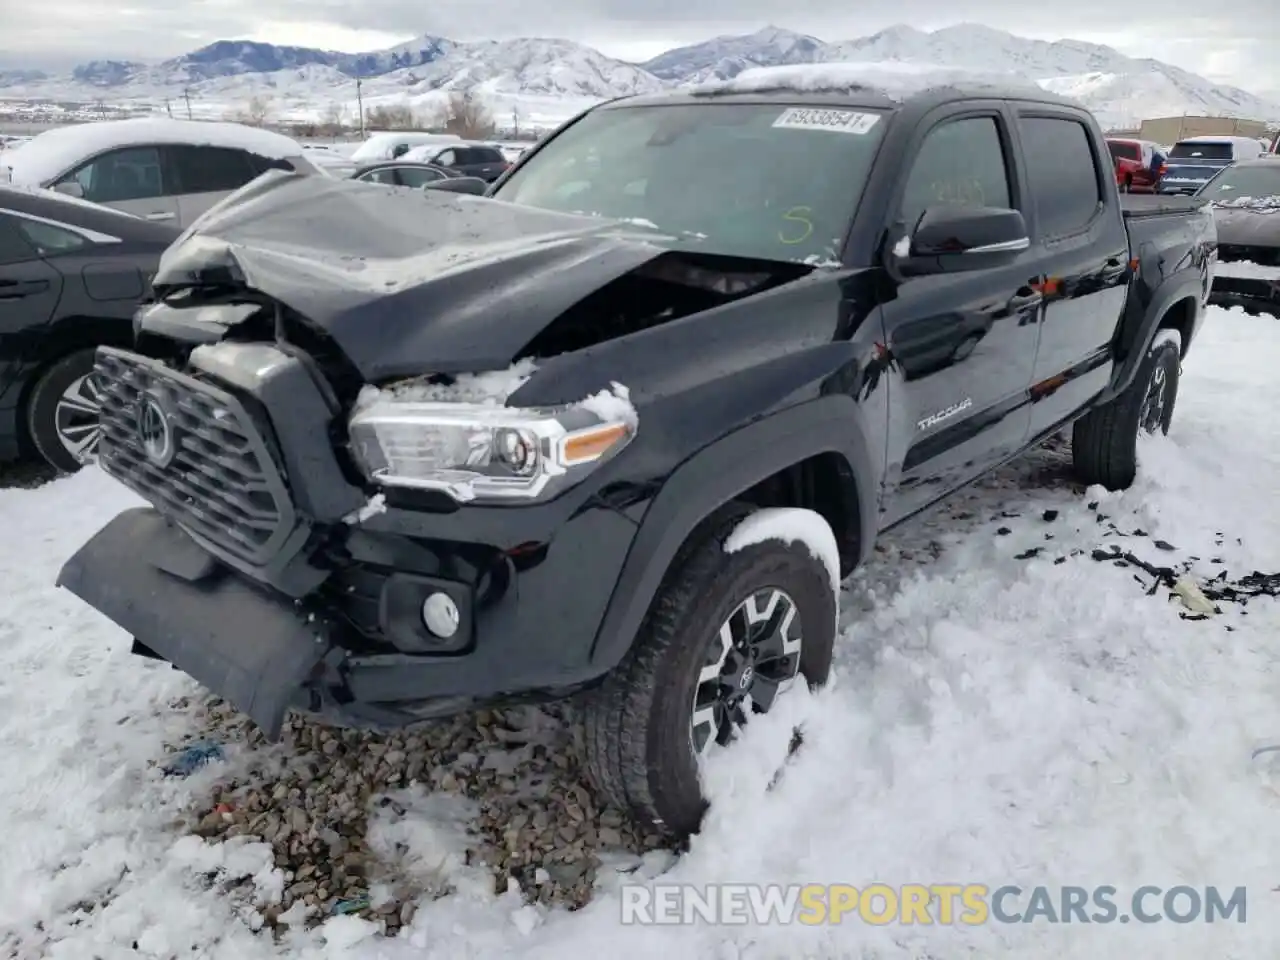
(475, 452)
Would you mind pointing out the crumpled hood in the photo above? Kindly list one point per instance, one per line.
(1249, 221)
(405, 282)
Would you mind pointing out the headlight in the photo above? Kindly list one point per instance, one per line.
(478, 452)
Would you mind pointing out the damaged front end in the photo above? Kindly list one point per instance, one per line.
(330, 525)
(1247, 274)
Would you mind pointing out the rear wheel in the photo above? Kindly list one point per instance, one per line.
(726, 636)
(62, 412)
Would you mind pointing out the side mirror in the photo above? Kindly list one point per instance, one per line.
(955, 239)
(472, 185)
(71, 188)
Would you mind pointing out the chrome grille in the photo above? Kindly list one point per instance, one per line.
(216, 477)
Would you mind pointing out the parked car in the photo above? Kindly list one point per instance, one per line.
(1135, 167)
(71, 276)
(1196, 160)
(1246, 205)
(494, 449)
(169, 171)
(482, 160)
(393, 146)
(402, 173)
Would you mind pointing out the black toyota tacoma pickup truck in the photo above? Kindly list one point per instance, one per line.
(408, 454)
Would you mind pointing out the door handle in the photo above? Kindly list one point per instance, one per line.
(17, 289)
(161, 215)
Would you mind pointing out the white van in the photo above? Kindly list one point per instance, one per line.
(1194, 161)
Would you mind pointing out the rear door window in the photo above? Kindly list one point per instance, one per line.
(417, 176)
(13, 246)
(1065, 185)
(50, 240)
(210, 169)
(385, 175)
(481, 155)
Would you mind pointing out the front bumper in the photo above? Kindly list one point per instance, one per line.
(179, 604)
(1255, 294)
(529, 635)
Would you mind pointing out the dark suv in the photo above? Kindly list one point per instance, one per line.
(469, 160)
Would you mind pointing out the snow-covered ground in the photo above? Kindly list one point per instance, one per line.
(992, 720)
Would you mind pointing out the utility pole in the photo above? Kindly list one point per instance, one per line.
(186, 95)
(515, 122)
(360, 107)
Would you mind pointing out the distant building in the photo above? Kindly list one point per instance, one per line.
(1169, 130)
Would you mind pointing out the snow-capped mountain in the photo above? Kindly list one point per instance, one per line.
(1121, 90)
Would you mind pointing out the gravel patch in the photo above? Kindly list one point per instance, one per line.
(331, 803)
(26, 475)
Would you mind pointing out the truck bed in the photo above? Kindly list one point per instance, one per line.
(1140, 206)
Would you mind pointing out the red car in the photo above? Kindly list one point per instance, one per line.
(1133, 165)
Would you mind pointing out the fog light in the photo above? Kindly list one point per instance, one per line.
(440, 615)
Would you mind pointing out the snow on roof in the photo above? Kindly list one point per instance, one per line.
(892, 79)
(421, 153)
(379, 145)
(54, 152)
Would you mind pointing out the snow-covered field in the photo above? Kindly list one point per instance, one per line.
(992, 720)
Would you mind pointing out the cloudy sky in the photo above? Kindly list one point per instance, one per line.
(1229, 42)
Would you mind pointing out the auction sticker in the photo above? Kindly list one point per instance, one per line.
(840, 121)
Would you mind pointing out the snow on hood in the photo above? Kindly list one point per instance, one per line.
(1270, 204)
(54, 152)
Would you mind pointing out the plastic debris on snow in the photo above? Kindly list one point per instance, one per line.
(1200, 598)
(192, 757)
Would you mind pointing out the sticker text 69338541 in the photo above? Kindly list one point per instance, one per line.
(837, 121)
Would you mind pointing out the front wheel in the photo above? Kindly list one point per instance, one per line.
(1104, 442)
(726, 636)
(62, 412)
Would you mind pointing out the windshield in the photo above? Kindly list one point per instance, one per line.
(1239, 182)
(754, 180)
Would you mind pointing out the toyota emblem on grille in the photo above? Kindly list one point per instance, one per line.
(155, 432)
